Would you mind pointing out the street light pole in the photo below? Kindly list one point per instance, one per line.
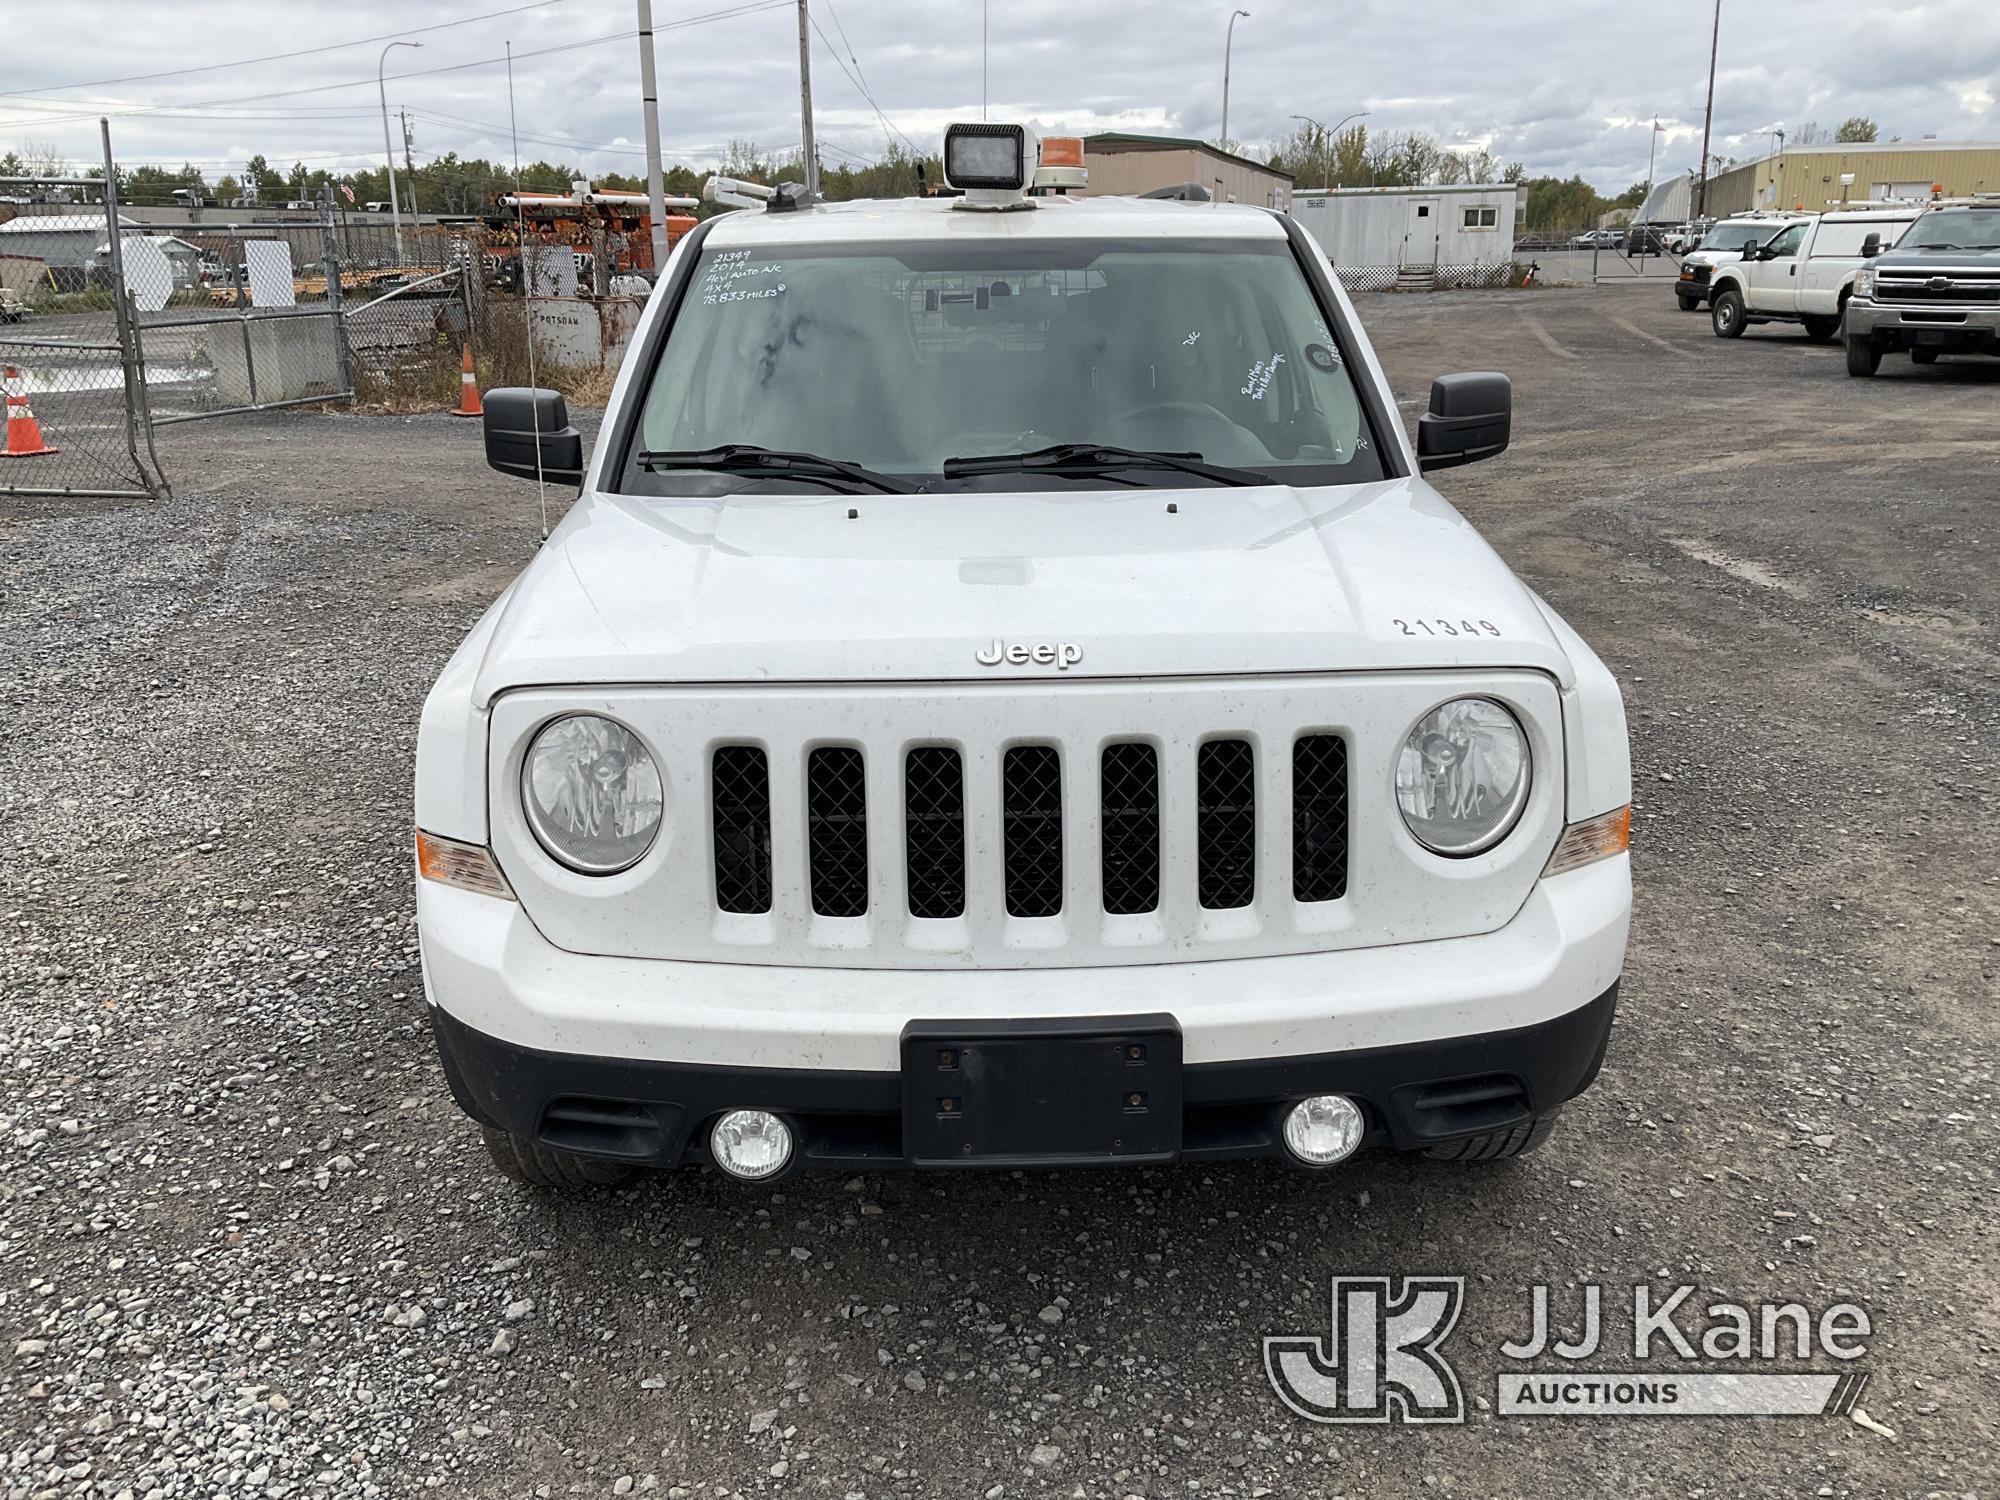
(395, 209)
(1328, 137)
(1228, 41)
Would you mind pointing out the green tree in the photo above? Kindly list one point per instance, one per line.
(1855, 128)
(1556, 204)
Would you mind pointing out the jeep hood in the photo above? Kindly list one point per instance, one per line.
(756, 587)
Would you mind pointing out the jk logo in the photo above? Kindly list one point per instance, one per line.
(1380, 1361)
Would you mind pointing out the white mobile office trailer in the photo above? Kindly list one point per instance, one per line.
(1469, 225)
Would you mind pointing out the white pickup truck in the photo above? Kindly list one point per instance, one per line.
(1804, 273)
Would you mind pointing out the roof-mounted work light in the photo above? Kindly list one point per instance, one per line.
(996, 166)
(991, 165)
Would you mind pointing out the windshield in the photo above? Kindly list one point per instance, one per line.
(899, 358)
(1736, 236)
(1964, 229)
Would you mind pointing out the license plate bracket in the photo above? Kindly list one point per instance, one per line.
(1032, 1093)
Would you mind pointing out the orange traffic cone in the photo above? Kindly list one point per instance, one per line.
(468, 389)
(24, 433)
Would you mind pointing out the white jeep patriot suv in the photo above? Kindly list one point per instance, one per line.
(1006, 695)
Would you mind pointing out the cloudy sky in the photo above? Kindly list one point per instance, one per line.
(1565, 86)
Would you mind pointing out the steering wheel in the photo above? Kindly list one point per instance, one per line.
(1198, 410)
(1176, 426)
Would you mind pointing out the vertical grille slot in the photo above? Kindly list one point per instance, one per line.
(934, 830)
(837, 830)
(1319, 817)
(1130, 821)
(1225, 824)
(740, 811)
(1031, 823)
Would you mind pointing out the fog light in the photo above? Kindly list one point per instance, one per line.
(750, 1144)
(1324, 1129)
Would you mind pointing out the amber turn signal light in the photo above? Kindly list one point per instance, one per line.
(1593, 839)
(470, 867)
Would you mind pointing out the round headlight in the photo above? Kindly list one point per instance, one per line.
(1462, 778)
(592, 794)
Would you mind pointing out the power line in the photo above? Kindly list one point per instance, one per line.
(251, 62)
(729, 13)
(859, 86)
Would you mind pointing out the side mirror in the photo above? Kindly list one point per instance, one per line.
(1871, 247)
(1750, 251)
(519, 421)
(1470, 418)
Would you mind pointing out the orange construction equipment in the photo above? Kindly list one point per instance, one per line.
(24, 433)
(468, 388)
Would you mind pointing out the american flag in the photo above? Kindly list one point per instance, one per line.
(347, 191)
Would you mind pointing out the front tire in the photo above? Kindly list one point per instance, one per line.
(1863, 357)
(1725, 315)
(542, 1166)
(1819, 330)
(1923, 356)
(1498, 1145)
(1688, 304)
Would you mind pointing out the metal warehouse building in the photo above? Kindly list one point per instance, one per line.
(1126, 165)
(1467, 226)
(1809, 177)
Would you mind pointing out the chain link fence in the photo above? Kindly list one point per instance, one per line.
(1427, 277)
(68, 352)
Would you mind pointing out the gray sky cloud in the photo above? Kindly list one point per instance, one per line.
(1564, 88)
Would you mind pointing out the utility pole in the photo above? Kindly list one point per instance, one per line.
(409, 165)
(649, 87)
(1652, 150)
(806, 103)
(1708, 114)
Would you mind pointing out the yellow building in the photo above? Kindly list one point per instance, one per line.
(1814, 178)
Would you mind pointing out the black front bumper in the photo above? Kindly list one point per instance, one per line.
(657, 1113)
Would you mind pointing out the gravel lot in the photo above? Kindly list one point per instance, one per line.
(248, 1246)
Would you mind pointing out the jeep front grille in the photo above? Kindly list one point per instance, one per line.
(934, 830)
(1031, 819)
(740, 812)
(1130, 824)
(1031, 813)
(1319, 818)
(1226, 824)
(837, 830)
(1030, 825)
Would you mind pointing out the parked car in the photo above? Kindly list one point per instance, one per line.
(1597, 239)
(1803, 274)
(1724, 241)
(631, 284)
(860, 777)
(12, 308)
(1681, 238)
(1645, 239)
(1936, 292)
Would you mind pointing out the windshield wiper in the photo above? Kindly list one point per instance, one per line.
(748, 458)
(1095, 458)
